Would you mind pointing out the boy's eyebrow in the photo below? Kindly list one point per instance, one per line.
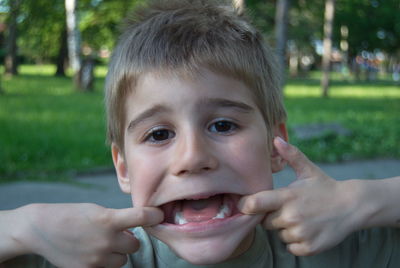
(225, 103)
(212, 102)
(156, 109)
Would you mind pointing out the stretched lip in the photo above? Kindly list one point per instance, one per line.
(211, 229)
(203, 226)
(194, 196)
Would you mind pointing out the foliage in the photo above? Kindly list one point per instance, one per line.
(100, 21)
(39, 29)
(373, 24)
(49, 131)
(41, 24)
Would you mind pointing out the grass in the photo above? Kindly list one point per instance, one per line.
(369, 110)
(49, 131)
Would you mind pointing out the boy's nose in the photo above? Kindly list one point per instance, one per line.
(193, 155)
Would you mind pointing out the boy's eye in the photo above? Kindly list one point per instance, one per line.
(223, 126)
(160, 135)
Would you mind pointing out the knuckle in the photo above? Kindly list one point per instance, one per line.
(294, 152)
(104, 218)
(291, 218)
(289, 194)
(298, 233)
(102, 249)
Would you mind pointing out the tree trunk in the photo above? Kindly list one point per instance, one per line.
(326, 57)
(10, 63)
(73, 37)
(281, 22)
(62, 54)
(239, 5)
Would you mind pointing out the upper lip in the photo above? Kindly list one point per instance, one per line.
(196, 196)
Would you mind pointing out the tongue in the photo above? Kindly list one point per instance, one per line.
(201, 210)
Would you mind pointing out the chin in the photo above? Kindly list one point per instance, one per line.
(200, 239)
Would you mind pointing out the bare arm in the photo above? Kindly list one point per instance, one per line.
(73, 235)
(379, 202)
(10, 222)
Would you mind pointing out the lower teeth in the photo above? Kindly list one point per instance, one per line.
(179, 219)
(223, 212)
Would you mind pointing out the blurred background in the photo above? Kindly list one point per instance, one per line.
(340, 61)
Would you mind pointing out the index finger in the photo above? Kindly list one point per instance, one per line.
(136, 216)
(262, 202)
(303, 167)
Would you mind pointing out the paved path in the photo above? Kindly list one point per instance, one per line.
(104, 190)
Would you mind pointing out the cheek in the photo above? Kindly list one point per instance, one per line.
(252, 161)
(144, 173)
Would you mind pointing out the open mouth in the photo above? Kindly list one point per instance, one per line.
(200, 210)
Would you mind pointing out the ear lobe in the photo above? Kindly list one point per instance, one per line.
(277, 162)
(121, 169)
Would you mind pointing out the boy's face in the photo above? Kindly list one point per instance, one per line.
(193, 147)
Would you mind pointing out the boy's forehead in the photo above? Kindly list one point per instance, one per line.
(209, 88)
(165, 93)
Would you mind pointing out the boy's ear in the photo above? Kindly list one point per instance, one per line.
(277, 162)
(121, 169)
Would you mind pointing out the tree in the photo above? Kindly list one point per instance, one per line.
(73, 39)
(372, 24)
(281, 22)
(11, 63)
(326, 58)
(62, 53)
(41, 28)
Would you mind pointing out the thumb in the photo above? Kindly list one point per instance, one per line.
(137, 216)
(302, 166)
(261, 202)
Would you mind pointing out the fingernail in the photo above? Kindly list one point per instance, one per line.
(281, 141)
(240, 205)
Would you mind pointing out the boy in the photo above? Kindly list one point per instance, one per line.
(193, 107)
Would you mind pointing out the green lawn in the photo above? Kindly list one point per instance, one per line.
(369, 110)
(48, 131)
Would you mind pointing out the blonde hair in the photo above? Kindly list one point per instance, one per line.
(182, 36)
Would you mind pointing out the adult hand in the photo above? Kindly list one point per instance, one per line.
(312, 214)
(84, 235)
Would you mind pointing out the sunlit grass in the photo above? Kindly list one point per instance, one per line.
(49, 130)
(369, 110)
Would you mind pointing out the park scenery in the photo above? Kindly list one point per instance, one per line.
(340, 62)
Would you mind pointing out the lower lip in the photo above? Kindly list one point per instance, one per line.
(203, 226)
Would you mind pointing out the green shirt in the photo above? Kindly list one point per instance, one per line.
(375, 248)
